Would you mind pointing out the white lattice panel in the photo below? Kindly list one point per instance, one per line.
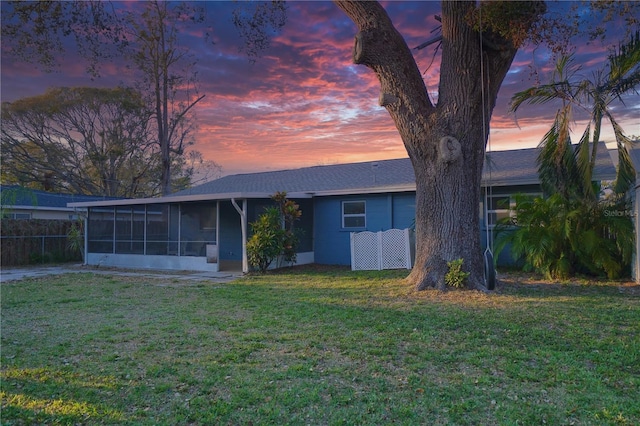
(364, 251)
(382, 250)
(395, 244)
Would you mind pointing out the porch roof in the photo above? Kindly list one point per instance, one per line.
(184, 198)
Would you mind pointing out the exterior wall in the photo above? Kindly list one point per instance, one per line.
(323, 240)
(383, 211)
(303, 258)
(42, 213)
(304, 227)
(140, 261)
(230, 233)
(404, 210)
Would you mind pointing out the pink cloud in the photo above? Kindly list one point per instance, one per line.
(303, 102)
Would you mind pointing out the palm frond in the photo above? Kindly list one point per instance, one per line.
(585, 162)
(625, 58)
(625, 85)
(560, 87)
(540, 95)
(556, 162)
(626, 175)
(624, 68)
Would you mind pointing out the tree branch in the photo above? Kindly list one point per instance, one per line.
(377, 47)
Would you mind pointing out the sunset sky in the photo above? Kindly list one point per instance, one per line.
(304, 102)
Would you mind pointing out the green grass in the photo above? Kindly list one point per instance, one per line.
(317, 347)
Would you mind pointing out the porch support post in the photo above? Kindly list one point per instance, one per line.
(85, 252)
(243, 224)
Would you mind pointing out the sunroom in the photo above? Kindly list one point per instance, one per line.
(196, 233)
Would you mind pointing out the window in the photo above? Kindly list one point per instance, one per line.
(354, 214)
(129, 228)
(498, 207)
(101, 221)
(17, 216)
(197, 228)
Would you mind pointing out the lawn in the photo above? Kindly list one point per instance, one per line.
(319, 347)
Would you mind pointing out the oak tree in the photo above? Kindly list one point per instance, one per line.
(446, 139)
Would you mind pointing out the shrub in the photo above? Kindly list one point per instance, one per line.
(559, 237)
(274, 234)
(266, 242)
(456, 277)
(75, 237)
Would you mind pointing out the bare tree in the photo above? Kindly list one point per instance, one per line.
(166, 73)
(145, 36)
(83, 140)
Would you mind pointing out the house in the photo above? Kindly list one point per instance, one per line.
(206, 227)
(17, 202)
(41, 223)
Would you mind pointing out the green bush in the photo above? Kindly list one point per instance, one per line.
(266, 242)
(274, 234)
(456, 277)
(561, 237)
(75, 237)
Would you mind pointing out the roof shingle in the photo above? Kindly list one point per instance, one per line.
(514, 167)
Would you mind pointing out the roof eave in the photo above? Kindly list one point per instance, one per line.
(184, 199)
(38, 208)
(371, 190)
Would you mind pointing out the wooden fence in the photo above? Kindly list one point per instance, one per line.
(36, 241)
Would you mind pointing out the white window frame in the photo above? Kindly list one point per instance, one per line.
(18, 216)
(510, 210)
(498, 211)
(354, 215)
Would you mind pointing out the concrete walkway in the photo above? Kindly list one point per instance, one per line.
(16, 274)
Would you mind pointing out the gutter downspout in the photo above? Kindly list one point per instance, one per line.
(243, 224)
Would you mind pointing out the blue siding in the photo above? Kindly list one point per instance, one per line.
(304, 226)
(329, 239)
(331, 243)
(404, 210)
(230, 245)
(384, 211)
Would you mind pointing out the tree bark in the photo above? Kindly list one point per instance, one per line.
(446, 141)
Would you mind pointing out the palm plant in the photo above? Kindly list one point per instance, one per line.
(575, 229)
(559, 237)
(620, 76)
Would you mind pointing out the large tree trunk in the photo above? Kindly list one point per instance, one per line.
(446, 141)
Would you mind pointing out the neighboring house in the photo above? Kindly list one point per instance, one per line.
(17, 202)
(202, 227)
